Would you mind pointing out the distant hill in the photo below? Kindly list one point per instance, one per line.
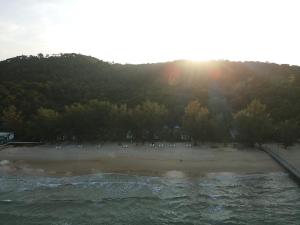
(32, 82)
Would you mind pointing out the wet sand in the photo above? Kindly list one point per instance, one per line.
(168, 159)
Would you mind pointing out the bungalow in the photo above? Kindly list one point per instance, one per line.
(6, 137)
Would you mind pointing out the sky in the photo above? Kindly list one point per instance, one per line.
(140, 31)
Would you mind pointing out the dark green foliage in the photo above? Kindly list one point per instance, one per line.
(76, 96)
(288, 132)
(197, 122)
(12, 120)
(147, 119)
(88, 121)
(253, 124)
(46, 124)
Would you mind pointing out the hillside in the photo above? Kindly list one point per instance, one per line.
(31, 83)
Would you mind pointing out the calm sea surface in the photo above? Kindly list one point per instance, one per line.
(127, 199)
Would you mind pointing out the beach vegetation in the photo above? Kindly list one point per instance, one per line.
(78, 97)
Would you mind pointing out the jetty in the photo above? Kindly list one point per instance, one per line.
(20, 143)
(286, 163)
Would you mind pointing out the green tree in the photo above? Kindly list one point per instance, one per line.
(147, 119)
(221, 124)
(196, 122)
(288, 132)
(120, 122)
(47, 124)
(253, 124)
(12, 120)
(91, 120)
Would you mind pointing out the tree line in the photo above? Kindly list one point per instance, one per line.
(76, 97)
(103, 121)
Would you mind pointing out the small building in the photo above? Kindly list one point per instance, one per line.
(6, 137)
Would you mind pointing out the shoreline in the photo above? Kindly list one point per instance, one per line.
(72, 160)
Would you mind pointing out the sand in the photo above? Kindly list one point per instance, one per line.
(171, 159)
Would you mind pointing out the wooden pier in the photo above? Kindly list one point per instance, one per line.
(292, 170)
(20, 143)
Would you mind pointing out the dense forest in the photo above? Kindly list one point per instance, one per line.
(72, 97)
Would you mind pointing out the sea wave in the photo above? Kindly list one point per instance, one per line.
(126, 199)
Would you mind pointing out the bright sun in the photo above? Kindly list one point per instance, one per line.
(138, 31)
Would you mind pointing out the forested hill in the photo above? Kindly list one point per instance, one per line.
(30, 84)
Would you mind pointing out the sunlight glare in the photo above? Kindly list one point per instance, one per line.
(137, 31)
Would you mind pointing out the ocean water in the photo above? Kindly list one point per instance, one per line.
(127, 199)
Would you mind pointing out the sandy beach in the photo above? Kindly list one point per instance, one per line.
(167, 159)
